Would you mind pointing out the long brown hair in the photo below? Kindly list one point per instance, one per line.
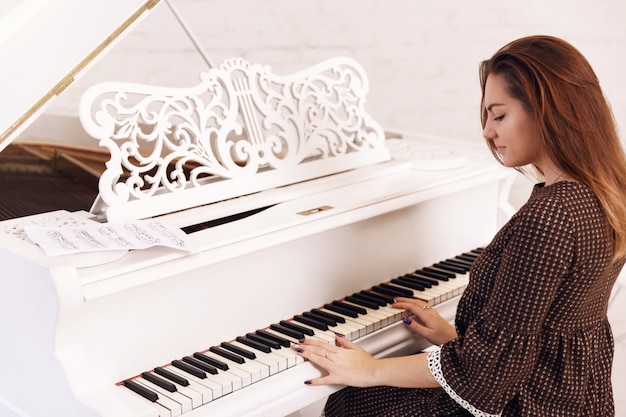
(558, 87)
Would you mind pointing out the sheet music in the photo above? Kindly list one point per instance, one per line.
(95, 237)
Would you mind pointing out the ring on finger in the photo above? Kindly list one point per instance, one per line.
(426, 306)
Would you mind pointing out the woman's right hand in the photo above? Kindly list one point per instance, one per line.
(426, 321)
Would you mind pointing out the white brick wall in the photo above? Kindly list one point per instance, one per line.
(421, 57)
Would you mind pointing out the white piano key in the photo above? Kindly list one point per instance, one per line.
(441, 288)
(156, 410)
(290, 356)
(439, 293)
(396, 314)
(433, 295)
(455, 286)
(364, 327)
(380, 319)
(349, 330)
(185, 403)
(198, 397)
(193, 390)
(323, 335)
(297, 357)
(274, 363)
(247, 374)
(175, 409)
(371, 323)
(393, 314)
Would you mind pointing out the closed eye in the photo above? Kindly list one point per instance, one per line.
(498, 118)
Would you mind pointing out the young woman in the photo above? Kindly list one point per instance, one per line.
(531, 336)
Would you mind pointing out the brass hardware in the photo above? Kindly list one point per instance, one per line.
(315, 210)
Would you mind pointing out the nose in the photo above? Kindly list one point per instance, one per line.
(489, 132)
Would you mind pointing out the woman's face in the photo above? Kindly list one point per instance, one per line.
(510, 127)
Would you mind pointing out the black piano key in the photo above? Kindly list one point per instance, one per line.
(323, 319)
(281, 340)
(362, 302)
(287, 331)
(157, 380)
(432, 278)
(404, 282)
(265, 340)
(326, 314)
(445, 266)
(431, 274)
(254, 344)
(386, 291)
(172, 376)
(315, 323)
(201, 365)
(291, 325)
(226, 354)
(439, 271)
(368, 297)
(428, 282)
(458, 263)
(141, 390)
(238, 350)
(466, 257)
(341, 310)
(354, 308)
(392, 290)
(192, 370)
(211, 361)
(477, 251)
(382, 297)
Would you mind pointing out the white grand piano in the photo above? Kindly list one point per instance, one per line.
(302, 210)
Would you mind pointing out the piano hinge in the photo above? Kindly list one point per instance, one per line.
(61, 86)
(150, 4)
(314, 210)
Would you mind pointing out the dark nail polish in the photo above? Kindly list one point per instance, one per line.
(299, 350)
(307, 382)
(406, 320)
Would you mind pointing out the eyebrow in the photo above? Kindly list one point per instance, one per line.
(492, 105)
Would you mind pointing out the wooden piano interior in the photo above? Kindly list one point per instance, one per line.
(40, 178)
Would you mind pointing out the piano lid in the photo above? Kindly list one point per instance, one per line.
(46, 44)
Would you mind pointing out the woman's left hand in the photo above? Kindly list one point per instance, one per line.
(426, 321)
(346, 363)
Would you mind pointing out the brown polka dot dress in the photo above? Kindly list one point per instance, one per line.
(534, 339)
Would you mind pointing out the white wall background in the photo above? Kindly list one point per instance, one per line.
(421, 57)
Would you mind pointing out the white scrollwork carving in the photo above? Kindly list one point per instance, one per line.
(239, 124)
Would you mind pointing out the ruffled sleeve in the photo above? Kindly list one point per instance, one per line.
(496, 352)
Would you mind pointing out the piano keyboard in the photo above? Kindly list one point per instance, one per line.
(202, 377)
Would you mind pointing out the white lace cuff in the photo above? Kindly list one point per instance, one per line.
(434, 364)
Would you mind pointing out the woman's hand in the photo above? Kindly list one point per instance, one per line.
(346, 363)
(426, 321)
